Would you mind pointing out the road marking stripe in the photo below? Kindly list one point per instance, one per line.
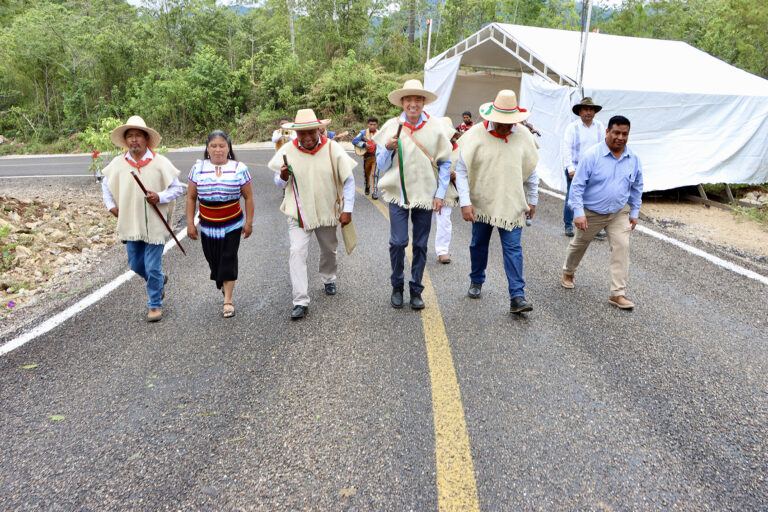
(82, 304)
(47, 176)
(456, 485)
(688, 248)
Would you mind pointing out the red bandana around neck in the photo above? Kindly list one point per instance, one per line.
(417, 127)
(321, 143)
(493, 132)
(140, 164)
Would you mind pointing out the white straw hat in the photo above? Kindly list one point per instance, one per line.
(504, 109)
(305, 120)
(117, 136)
(411, 88)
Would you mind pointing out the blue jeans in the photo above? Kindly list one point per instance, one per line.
(567, 212)
(512, 251)
(147, 261)
(398, 241)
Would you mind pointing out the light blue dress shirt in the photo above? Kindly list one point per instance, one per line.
(384, 162)
(604, 184)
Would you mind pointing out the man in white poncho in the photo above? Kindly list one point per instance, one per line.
(497, 184)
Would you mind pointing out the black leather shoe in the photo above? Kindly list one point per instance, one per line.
(374, 196)
(330, 288)
(367, 190)
(519, 305)
(416, 302)
(397, 298)
(299, 312)
(474, 290)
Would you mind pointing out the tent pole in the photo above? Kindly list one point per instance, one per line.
(583, 49)
(429, 36)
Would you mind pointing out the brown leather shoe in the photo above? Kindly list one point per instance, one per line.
(622, 302)
(567, 281)
(155, 315)
(444, 259)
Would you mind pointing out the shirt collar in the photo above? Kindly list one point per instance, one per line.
(607, 151)
(489, 128)
(422, 121)
(149, 155)
(320, 143)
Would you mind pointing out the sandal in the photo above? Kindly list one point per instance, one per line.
(226, 312)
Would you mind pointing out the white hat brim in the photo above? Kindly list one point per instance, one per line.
(395, 96)
(302, 127)
(499, 117)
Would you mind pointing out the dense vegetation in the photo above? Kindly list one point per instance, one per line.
(188, 66)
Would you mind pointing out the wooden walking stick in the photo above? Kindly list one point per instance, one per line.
(141, 185)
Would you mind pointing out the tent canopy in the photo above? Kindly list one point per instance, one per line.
(695, 119)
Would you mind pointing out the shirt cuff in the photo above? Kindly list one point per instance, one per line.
(579, 212)
(634, 213)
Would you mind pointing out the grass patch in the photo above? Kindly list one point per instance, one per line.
(755, 213)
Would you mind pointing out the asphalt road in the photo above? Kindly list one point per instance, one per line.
(77, 165)
(575, 406)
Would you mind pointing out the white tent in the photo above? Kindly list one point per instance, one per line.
(695, 119)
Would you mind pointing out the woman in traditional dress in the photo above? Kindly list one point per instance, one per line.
(218, 182)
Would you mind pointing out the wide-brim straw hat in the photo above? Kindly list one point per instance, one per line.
(586, 102)
(306, 120)
(504, 109)
(411, 88)
(117, 136)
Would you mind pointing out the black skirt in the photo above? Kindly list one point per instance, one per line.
(220, 247)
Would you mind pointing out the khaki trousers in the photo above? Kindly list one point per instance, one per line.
(326, 238)
(617, 227)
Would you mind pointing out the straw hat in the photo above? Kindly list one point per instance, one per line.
(305, 120)
(586, 102)
(117, 136)
(504, 109)
(411, 88)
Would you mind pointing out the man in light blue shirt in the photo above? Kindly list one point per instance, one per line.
(606, 193)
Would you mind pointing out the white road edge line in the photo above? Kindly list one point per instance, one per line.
(83, 303)
(688, 248)
(47, 176)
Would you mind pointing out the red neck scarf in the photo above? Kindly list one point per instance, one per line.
(320, 143)
(417, 127)
(493, 132)
(140, 164)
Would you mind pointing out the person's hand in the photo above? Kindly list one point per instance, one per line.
(468, 213)
(532, 210)
(345, 218)
(453, 176)
(370, 145)
(191, 231)
(633, 222)
(571, 173)
(391, 143)
(247, 230)
(284, 172)
(437, 204)
(152, 197)
(580, 223)
(114, 211)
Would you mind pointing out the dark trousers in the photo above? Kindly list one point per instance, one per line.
(398, 241)
(567, 212)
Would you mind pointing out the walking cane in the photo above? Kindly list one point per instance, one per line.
(141, 185)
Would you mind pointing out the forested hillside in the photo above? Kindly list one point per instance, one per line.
(188, 66)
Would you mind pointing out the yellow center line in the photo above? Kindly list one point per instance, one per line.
(456, 486)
